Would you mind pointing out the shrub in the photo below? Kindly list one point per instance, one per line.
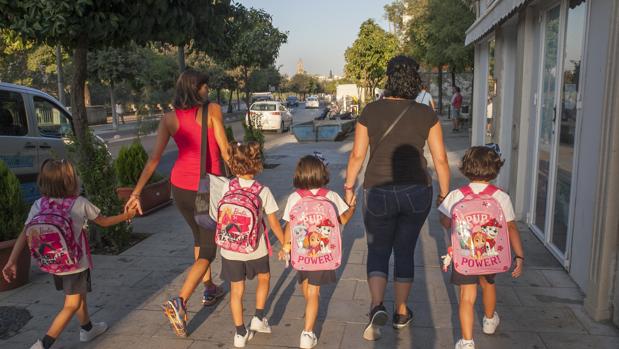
(253, 134)
(98, 176)
(230, 134)
(12, 206)
(130, 163)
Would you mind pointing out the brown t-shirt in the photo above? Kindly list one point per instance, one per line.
(399, 158)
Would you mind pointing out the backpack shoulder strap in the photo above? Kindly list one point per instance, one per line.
(304, 193)
(322, 192)
(234, 184)
(256, 188)
(489, 190)
(466, 190)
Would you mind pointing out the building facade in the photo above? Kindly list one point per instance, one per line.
(546, 89)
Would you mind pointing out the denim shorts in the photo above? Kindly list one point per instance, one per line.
(393, 217)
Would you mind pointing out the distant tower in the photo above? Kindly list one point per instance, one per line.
(330, 74)
(300, 69)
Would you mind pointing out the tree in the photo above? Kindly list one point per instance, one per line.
(299, 83)
(265, 79)
(366, 59)
(88, 24)
(111, 66)
(255, 44)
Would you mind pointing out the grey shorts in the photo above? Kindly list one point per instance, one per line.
(234, 271)
(78, 283)
(318, 277)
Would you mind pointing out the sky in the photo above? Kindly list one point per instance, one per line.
(319, 31)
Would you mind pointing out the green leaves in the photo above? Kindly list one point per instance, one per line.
(129, 164)
(366, 59)
(12, 207)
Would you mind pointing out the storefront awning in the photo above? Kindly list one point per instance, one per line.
(498, 11)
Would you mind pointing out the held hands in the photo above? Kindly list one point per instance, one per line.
(284, 253)
(134, 204)
(9, 272)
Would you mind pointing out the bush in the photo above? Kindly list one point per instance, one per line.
(130, 163)
(12, 206)
(253, 134)
(230, 134)
(98, 176)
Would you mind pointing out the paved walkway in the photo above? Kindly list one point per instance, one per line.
(542, 309)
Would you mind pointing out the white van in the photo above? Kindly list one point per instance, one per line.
(33, 128)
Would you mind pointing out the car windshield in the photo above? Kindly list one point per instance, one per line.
(291, 98)
(263, 107)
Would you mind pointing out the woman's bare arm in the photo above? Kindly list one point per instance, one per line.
(356, 158)
(439, 157)
(163, 137)
(217, 123)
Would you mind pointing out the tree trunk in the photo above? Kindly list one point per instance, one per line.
(218, 95)
(113, 103)
(181, 58)
(230, 101)
(440, 89)
(78, 86)
(238, 99)
(453, 77)
(246, 89)
(60, 76)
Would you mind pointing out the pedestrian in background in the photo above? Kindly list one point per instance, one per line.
(424, 97)
(456, 106)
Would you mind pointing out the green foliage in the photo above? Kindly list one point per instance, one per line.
(254, 134)
(129, 164)
(230, 134)
(12, 206)
(366, 59)
(98, 176)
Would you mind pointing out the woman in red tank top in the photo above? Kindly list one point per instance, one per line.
(184, 125)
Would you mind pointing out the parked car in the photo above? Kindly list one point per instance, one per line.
(34, 127)
(312, 102)
(292, 101)
(269, 115)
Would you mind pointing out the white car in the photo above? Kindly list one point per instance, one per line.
(312, 102)
(269, 116)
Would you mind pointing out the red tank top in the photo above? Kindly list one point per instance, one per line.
(188, 138)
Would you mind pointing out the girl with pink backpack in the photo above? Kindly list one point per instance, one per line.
(243, 239)
(57, 240)
(314, 215)
(481, 219)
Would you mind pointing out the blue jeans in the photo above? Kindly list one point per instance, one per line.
(393, 217)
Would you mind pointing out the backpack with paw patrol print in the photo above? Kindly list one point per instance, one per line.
(316, 240)
(479, 234)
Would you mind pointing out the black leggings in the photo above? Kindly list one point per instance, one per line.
(202, 238)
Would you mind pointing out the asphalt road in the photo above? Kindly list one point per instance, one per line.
(127, 136)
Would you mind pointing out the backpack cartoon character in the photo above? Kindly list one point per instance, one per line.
(239, 218)
(51, 239)
(324, 228)
(491, 229)
(479, 235)
(316, 240)
(312, 244)
(298, 238)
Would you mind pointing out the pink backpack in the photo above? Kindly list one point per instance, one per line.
(479, 234)
(51, 239)
(239, 218)
(316, 240)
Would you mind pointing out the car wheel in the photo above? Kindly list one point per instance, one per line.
(281, 128)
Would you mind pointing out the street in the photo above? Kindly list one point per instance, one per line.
(127, 134)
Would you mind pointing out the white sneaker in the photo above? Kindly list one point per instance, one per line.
(308, 340)
(490, 325)
(260, 326)
(241, 341)
(37, 345)
(97, 329)
(465, 344)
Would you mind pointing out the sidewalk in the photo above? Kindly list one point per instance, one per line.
(542, 309)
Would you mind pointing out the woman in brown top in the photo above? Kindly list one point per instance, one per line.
(397, 186)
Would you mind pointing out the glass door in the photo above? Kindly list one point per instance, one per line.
(558, 112)
(547, 115)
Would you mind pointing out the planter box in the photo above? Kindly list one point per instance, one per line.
(154, 196)
(323, 130)
(23, 266)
